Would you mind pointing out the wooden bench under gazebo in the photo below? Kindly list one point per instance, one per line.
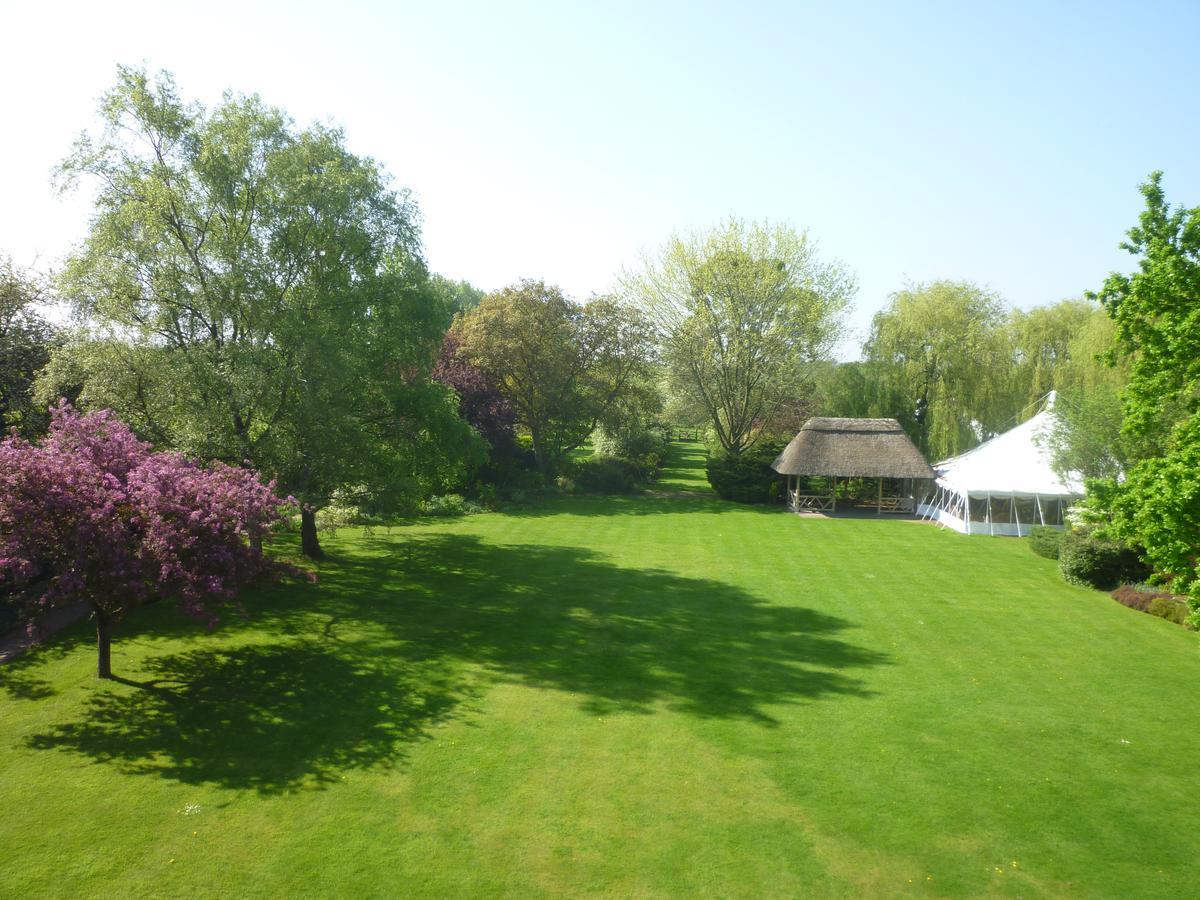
(851, 448)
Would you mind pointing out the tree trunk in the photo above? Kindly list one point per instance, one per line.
(103, 645)
(309, 543)
(256, 542)
(539, 456)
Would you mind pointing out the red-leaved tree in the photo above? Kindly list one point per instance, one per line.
(480, 402)
(91, 513)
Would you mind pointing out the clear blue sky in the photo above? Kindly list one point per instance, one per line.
(1001, 144)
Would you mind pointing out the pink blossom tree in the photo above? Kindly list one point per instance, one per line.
(92, 513)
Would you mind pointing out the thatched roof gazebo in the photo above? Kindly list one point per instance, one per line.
(851, 448)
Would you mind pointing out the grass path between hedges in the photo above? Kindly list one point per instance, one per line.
(652, 697)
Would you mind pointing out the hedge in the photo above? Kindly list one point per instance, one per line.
(1090, 561)
(746, 477)
(1045, 540)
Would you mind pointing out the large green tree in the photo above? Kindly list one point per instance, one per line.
(259, 293)
(456, 296)
(1044, 343)
(564, 368)
(745, 310)
(1090, 382)
(940, 361)
(844, 389)
(1156, 311)
(26, 339)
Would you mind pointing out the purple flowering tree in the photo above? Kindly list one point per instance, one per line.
(91, 513)
(480, 402)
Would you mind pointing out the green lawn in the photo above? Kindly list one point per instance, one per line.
(684, 469)
(636, 696)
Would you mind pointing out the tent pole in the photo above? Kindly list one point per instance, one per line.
(967, 511)
(1016, 517)
(879, 504)
(988, 517)
(1037, 499)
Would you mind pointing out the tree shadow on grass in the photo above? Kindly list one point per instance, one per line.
(631, 639)
(21, 685)
(637, 505)
(17, 678)
(267, 717)
(401, 632)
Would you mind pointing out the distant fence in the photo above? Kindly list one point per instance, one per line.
(685, 434)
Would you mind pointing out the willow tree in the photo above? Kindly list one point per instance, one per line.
(1087, 438)
(941, 360)
(260, 290)
(1044, 341)
(745, 310)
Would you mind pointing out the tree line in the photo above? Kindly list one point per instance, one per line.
(253, 293)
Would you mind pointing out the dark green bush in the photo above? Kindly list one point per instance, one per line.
(449, 505)
(747, 477)
(607, 475)
(1087, 560)
(1045, 540)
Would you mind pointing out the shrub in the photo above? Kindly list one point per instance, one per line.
(400, 498)
(1170, 608)
(1045, 540)
(607, 475)
(747, 477)
(644, 446)
(1153, 601)
(1136, 596)
(1091, 561)
(518, 484)
(449, 505)
(331, 518)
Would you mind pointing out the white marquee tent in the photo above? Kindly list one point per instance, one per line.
(1005, 485)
